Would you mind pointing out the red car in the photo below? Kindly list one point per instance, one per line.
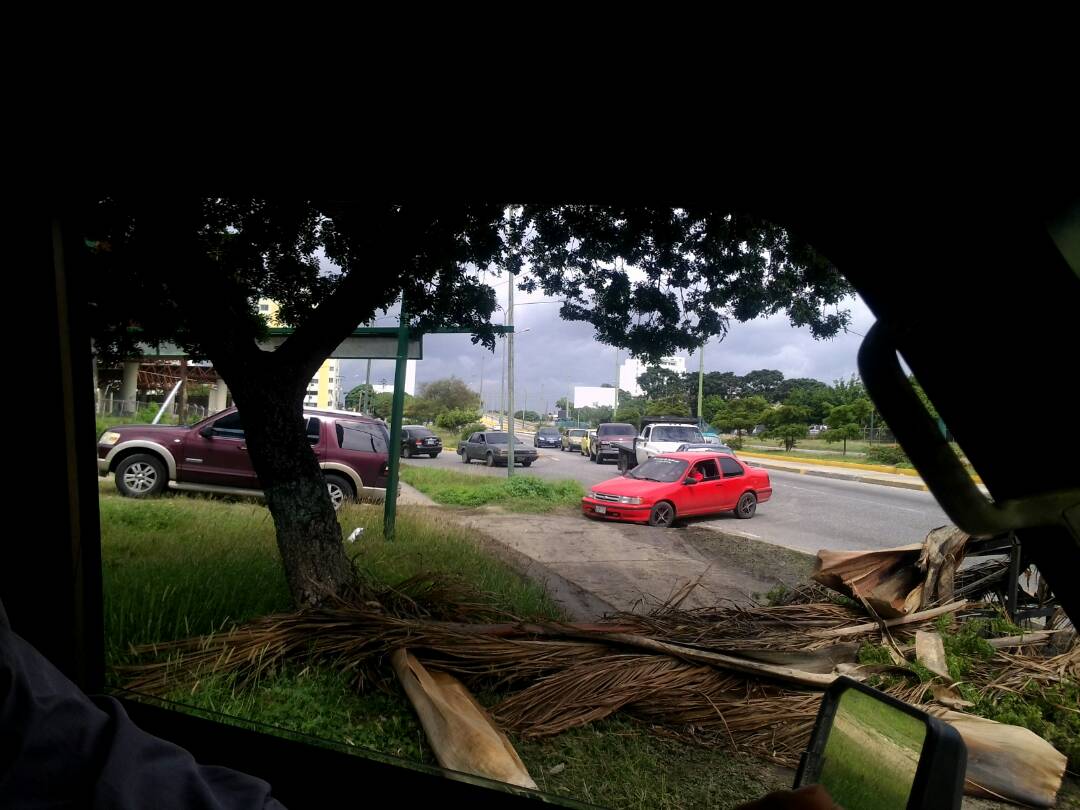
(676, 485)
(211, 456)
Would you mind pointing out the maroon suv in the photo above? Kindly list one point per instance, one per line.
(211, 456)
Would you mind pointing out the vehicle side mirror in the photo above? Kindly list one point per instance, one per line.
(690, 482)
(207, 432)
(869, 749)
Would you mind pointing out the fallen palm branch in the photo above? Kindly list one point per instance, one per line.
(460, 732)
(1006, 761)
(897, 581)
(742, 677)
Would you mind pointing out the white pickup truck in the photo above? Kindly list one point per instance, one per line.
(659, 434)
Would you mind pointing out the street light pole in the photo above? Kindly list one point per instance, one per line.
(482, 351)
(502, 380)
(700, 380)
(615, 410)
(510, 376)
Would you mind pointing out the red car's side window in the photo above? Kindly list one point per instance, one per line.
(731, 467)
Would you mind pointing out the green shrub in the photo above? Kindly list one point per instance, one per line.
(469, 430)
(883, 454)
(455, 419)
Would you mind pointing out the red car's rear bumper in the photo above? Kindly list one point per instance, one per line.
(764, 494)
(615, 511)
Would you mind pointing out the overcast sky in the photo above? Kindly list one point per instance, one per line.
(554, 355)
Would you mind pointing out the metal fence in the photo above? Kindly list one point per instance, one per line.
(110, 406)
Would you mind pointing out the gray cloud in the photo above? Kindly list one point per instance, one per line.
(553, 355)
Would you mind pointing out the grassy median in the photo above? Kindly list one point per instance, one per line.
(522, 493)
(179, 565)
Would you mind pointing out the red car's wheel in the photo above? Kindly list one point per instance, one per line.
(662, 515)
(747, 506)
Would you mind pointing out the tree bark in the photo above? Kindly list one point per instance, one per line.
(317, 568)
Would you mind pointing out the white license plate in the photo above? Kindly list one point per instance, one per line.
(600, 510)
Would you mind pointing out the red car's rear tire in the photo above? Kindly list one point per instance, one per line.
(747, 506)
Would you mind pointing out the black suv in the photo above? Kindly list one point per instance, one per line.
(547, 437)
(417, 440)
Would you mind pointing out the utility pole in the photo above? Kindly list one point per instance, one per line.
(510, 376)
(502, 382)
(365, 405)
(182, 412)
(396, 408)
(700, 381)
(615, 410)
(483, 350)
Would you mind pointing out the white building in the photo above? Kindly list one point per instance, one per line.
(410, 381)
(589, 396)
(632, 368)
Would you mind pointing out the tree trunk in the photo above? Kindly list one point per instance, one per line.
(308, 533)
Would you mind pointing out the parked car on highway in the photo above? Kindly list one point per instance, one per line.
(671, 486)
(571, 440)
(211, 456)
(417, 440)
(606, 434)
(659, 434)
(547, 437)
(493, 448)
(587, 443)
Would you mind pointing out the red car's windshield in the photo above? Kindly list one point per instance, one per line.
(666, 470)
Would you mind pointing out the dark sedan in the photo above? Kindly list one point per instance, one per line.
(547, 437)
(417, 440)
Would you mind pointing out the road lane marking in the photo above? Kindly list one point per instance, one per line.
(860, 500)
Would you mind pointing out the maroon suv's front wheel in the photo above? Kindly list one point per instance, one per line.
(340, 490)
(141, 475)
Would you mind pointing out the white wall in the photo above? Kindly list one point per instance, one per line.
(633, 368)
(410, 381)
(587, 396)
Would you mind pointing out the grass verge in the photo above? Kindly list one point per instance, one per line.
(180, 565)
(523, 493)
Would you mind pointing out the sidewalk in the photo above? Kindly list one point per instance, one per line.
(635, 568)
(909, 480)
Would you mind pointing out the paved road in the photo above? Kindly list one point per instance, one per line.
(806, 512)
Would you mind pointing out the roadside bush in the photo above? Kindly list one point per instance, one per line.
(734, 442)
(887, 455)
(455, 419)
(475, 427)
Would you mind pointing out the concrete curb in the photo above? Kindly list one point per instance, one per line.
(881, 468)
(863, 479)
(846, 465)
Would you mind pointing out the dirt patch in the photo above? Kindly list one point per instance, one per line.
(758, 559)
(592, 567)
